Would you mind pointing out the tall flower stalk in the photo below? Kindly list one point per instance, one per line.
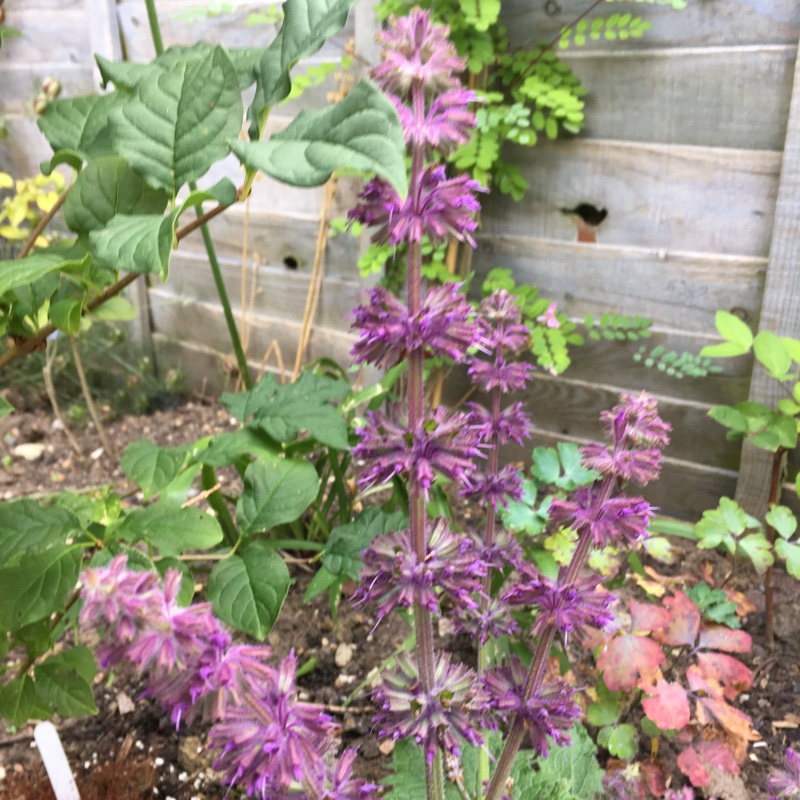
(419, 72)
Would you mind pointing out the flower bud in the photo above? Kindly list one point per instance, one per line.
(51, 87)
(40, 104)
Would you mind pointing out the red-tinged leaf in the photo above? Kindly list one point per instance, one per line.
(733, 676)
(741, 601)
(654, 778)
(684, 623)
(718, 637)
(719, 755)
(646, 617)
(735, 722)
(627, 659)
(668, 707)
(702, 684)
(692, 766)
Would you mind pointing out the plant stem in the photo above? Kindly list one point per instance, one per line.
(769, 575)
(30, 243)
(155, 28)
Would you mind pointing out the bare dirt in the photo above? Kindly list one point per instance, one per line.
(131, 750)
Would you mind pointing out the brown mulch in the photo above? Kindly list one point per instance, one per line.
(130, 750)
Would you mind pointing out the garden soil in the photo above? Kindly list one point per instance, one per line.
(131, 750)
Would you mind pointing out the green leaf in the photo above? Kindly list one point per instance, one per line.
(623, 742)
(523, 515)
(173, 128)
(275, 493)
(244, 405)
(545, 467)
(36, 587)
(64, 683)
(151, 467)
(80, 125)
(722, 350)
(106, 187)
(28, 527)
(603, 713)
(783, 520)
(248, 590)
(480, 14)
(772, 353)
(575, 765)
(171, 530)
(790, 553)
(115, 309)
(304, 405)
(25, 271)
(362, 132)
(756, 547)
(730, 327)
(227, 448)
(343, 549)
(5, 409)
(307, 25)
(66, 315)
(730, 418)
(18, 700)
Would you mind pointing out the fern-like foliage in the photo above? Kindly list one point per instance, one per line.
(616, 26)
(617, 327)
(676, 365)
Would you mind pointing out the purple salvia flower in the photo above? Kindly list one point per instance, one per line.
(273, 742)
(448, 122)
(512, 424)
(437, 207)
(550, 711)
(548, 319)
(607, 519)
(639, 466)
(494, 490)
(345, 786)
(417, 54)
(503, 329)
(388, 333)
(507, 376)
(489, 621)
(443, 442)
(786, 782)
(452, 707)
(394, 577)
(566, 607)
(634, 422)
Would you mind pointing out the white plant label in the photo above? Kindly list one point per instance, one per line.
(55, 761)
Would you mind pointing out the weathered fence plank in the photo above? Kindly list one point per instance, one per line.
(60, 35)
(780, 310)
(21, 82)
(659, 196)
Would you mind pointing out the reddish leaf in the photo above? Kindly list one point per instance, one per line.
(699, 682)
(718, 637)
(692, 766)
(684, 623)
(668, 707)
(735, 722)
(654, 778)
(694, 761)
(719, 755)
(729, 672)
(627, 659)
(646, 618)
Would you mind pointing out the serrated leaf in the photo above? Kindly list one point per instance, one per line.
(28, 527)
(623, 742)
(247, 590)
(362, 132)
(307, 25)
(173, 128)
(171, 530)
(25, 271)
(37, 586)
(342, 555)
(668, 706)
(545, 467)
(80, 125)
(108, 186)
(790, 553)
(151, 467)
(275, 493)
(783, 520)
(573, 766)
(756, 547)
(64, 684)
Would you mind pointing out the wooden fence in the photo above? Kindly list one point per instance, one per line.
(692, 145)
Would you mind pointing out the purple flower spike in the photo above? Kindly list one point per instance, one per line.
(550, 711)
(440, 208)
(485, 623)
(388, 333)
(452, 707)
(447, 123)
(394, 577)
(635, 422)
(639, 466)
(494, 490)
(502, 315)
(566, 607)
(417, 54)
(513, 424)
(786, 782)
(609, 520)
(507, 376)
(447, 444)
(345, 786)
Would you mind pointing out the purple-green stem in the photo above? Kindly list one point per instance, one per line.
(423, 624)
(539, 665)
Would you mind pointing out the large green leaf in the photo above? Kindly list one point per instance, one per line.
(739, 337)
(143, 242)
(80, 125)
(248, 590)
(173, 127)
(36, 587)
(244, 405)
(344, 546)
(150, 466)
(307, 25)
(362, 132)
(28, 527)
(18, 700)
(227, 448)
(64, 683)
(773, 354)
(106, 187)
(275, 493)
(24, 271)
(304, 405)
(171, 530)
